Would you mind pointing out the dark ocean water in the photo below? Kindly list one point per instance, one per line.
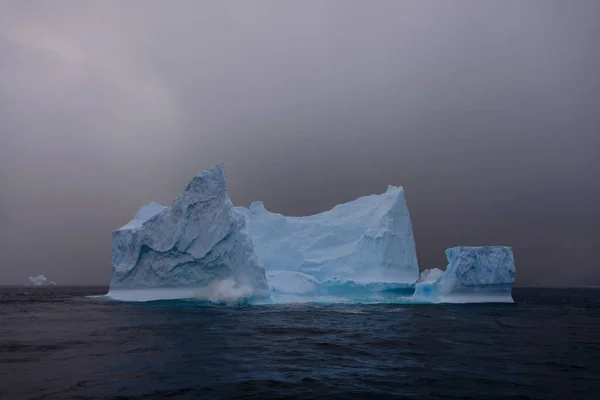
(56, 344)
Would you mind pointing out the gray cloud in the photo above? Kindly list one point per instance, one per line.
(487, 113)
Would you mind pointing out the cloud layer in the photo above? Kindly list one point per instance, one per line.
(487, 113)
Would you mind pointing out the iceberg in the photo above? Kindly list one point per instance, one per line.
(473, 275)
(197, 247)
(143, 215)
(365, 242)
(39, 280)
(202, 247)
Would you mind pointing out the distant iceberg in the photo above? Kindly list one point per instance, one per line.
(39, 280)
(292, 282)
(203, 247)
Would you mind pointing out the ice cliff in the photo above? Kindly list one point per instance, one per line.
(364, 241)
(39, 280)
(195, 248)
(474, 274)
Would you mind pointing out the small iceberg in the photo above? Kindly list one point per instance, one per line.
(39, 280)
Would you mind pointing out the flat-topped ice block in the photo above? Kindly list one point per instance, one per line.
(474, 275)
(364, 241)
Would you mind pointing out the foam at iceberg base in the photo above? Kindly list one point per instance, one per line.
(225, 291)
(474, 275)
(196, 248)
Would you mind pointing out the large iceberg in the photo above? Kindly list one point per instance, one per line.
(39, 280)
(196, 248)
(364, 243)
(204, 248)
(474, 274)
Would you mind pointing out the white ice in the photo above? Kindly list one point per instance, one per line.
(144, 214)
(367, 240)
(225, 291)
(430, 275)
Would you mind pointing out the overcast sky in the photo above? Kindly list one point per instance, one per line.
(487, 112)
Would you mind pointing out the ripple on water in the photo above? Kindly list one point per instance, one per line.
(546, 345)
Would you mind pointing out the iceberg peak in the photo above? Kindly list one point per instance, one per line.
(188, 247)
(207, 183)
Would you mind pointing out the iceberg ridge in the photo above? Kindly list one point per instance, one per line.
(366, 240)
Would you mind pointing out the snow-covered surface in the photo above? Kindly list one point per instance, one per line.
(368, 240)
(474, 274)
(196, 247)
(144, 214)
(39, 280)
